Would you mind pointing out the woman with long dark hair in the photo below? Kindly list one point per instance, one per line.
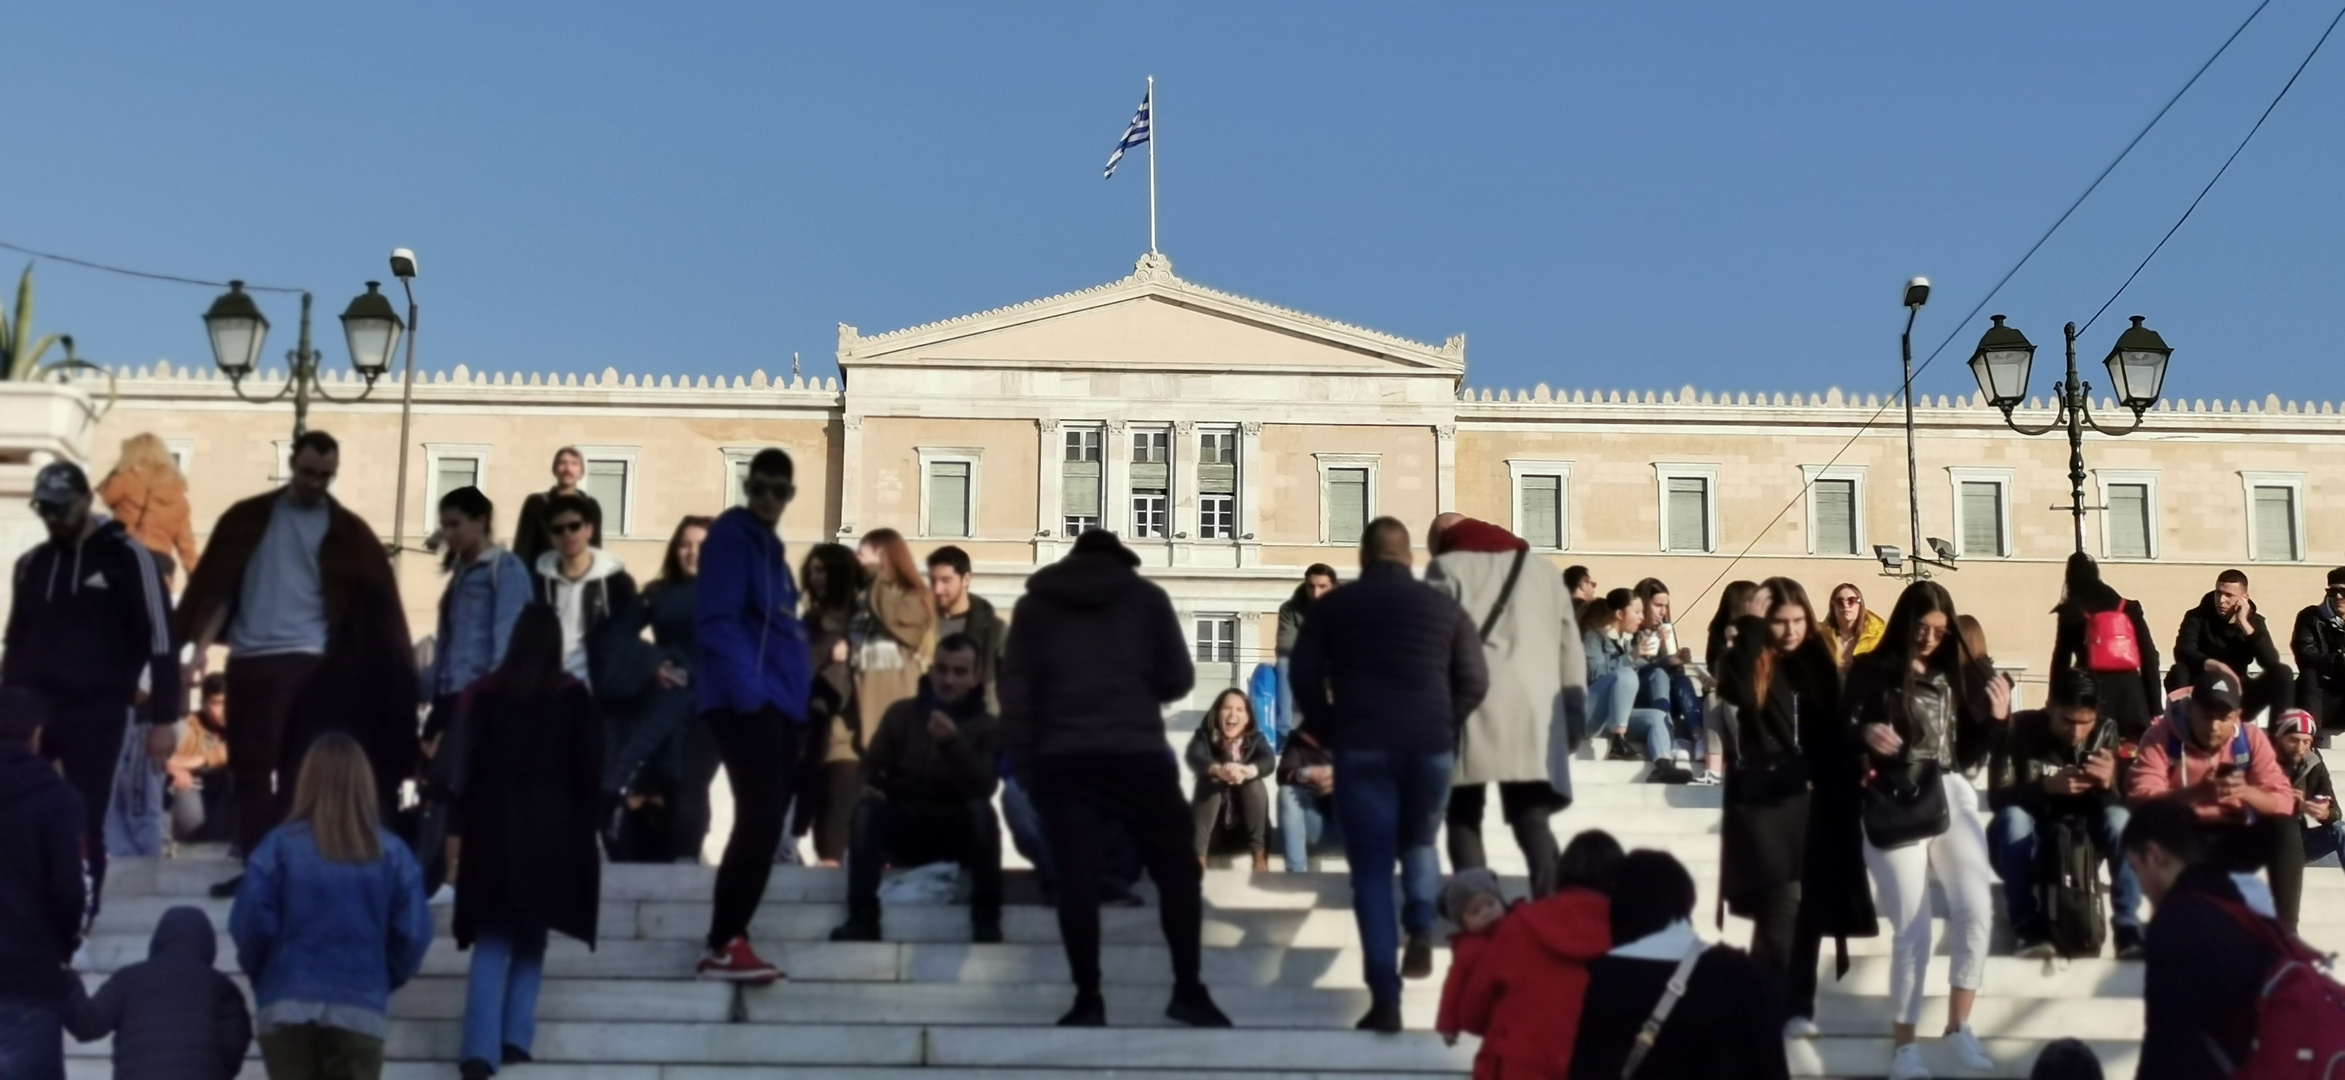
(2084, 638)
(889, 642)
(529, 806)
(665, 760)
(1232, 763)
(834, 588)
(1909, 703)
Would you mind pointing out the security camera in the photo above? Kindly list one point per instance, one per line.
(1890, 557)
(1945, 550)
(403, 264)
(1917, 292)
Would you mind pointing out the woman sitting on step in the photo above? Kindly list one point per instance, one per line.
(1232, 763)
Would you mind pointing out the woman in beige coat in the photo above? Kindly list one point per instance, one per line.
(889, 642)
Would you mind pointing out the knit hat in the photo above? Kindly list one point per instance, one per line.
(1462, 887)
(2295, 722)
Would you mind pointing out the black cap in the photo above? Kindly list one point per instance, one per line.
(2073, 688)
(59, 483)
(1103, 542)
(2216, 691)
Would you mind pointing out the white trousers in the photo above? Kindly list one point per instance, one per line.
(1901, 886)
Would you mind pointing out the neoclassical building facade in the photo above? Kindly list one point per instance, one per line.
(1233, 442)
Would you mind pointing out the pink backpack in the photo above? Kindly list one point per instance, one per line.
(2109, 643)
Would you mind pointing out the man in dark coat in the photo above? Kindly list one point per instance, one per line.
(2227, 627)
(929, 774)
(1387, 670)
(2205, 968)
(1723, 1027)
(1318, 581)
(1095, 652)
(2319, 647)
(2060, 763)
(960, 611)
(173, 1015)
(41, 893)
(90, 618)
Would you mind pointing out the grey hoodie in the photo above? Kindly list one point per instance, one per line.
(173, 1015)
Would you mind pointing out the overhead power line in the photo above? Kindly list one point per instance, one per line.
(150, 275)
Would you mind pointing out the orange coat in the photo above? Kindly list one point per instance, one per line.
(155, 514)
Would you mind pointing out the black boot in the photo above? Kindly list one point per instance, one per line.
(1090, 1011)
(1193, 1006)
(1417, 959)
(1383, 1018)
(857, 928)
(515, 1055)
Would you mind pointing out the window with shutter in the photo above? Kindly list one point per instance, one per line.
(606, 480)
(1542, 523)
(1081, 480)
(2275, 524)
(1347, 505)
(2128, 521)
(1217, 639)
(1982, 519)
(453, 473)
(1689, 513)
(740, 490)
(1835, 509)
(948, 498)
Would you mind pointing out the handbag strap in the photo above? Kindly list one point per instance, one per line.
(1505, 593)
(1661, 1010)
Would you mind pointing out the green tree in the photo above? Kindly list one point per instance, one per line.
(20, 352)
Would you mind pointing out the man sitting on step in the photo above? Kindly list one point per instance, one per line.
(928, 779)
(2056, 770)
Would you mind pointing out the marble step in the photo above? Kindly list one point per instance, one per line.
(94, 1069)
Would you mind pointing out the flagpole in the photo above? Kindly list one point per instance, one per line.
(1151, 164)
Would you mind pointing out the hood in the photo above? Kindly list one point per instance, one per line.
(1480, 536)
(549, 567)
(1084, 582)
(185, 935)
(25, 776)
(1574, 924)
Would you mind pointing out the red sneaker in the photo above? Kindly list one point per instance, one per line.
(737, 963)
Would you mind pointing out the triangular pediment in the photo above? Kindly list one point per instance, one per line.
(1152, 320)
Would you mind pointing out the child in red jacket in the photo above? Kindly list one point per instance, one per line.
(1470, 899)
(1523, 996)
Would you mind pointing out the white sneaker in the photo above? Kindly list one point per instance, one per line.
(1967, 1049)
(442, 896)
(1906, 1064)
(1800, 1027)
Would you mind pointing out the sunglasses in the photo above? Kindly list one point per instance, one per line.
(51, 510)
(2337, 590)
(564, 528)
(760, 489)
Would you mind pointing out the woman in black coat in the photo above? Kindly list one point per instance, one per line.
(2125, 696)
(1232, 763)
(528, 806)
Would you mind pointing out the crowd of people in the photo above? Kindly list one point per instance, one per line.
(564, 716)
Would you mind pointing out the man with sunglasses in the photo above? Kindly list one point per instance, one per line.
(2319, 645)
(754, 675)
(90, 617)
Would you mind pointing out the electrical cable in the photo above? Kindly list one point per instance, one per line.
(68, 259)
(1868, 422)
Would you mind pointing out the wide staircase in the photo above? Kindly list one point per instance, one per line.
(1282, 957)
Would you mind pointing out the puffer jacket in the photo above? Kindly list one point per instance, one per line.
(1095, 651)
(173, 1016)
(155, 513)
(1524, 994)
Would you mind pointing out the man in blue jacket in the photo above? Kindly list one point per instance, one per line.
(753, 683)
(41, 894)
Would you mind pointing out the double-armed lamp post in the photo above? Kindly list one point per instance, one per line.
(2137, 369)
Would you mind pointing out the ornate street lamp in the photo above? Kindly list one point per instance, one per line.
(237, 329)
(2137, 368)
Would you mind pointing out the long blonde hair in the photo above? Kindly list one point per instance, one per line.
(145, 456)
(336, 797)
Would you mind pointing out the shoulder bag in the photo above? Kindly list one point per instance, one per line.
(1905, 803)
(1505, 593)
(1651, 1032)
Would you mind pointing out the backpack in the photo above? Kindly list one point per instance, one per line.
(2109, 643)
(2068, 887)
(2299, 1015)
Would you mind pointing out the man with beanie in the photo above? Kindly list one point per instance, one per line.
(2319, 646)
(2316, 794)
(1095, 652)
(1386, 670)
(41, 893)
(1724, 1026)
(91, 619)
(1531, 645)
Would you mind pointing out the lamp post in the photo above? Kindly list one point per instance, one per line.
(2137, 368)
(403, 268)
(1917, 293)
(237, 329)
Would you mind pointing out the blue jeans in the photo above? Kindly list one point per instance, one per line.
(134, 816)
(1390, 804)
(32, 1041)
(2012, 840)
(1306, 823)
(1612, 706)
(500, 996)
(2323, 840)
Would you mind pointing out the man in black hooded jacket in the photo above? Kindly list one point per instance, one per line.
(41, 893)
(2205, 966)
(2226, 627)
(2319, 647)
(1095, 652)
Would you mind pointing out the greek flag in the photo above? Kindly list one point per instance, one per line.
(1133, 136)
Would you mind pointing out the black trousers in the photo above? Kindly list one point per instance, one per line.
(1526, 804)
(1081, 798)
(1248, 804)
(2326, 706)
(688, 811)
(758, 750)
(2274, 845)
(260, 698)
(84, 737)
(894, 833)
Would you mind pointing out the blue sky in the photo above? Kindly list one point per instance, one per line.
(1622, 196)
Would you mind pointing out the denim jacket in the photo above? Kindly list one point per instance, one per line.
(327, 941)
(477, 612)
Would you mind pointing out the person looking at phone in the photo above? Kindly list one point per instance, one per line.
(2316, 795)
(2202, 754)
(2059, 764)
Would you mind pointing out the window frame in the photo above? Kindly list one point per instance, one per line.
(1516, 470)
(182, 455)
(2001, 478)
(728, 487)
(2108, 478)
(1329, 462)
(1809, 476)
(972, 456)
(630, 491)
(1197, 463)
(1663, 473)
(1197, 642)
(434, 453)
(2294, 482)
(1067, 429)
(1160, 437)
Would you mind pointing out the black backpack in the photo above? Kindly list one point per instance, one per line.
(2068, 887)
